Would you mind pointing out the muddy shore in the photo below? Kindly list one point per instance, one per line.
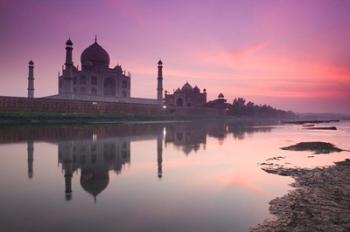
(320, 201)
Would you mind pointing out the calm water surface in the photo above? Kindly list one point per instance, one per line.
(171, 177)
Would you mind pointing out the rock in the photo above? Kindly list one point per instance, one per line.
(321, 201)
(316, 147)
(322, 128)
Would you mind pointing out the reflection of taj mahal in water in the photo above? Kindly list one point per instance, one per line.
(94, 159)
(96, 154)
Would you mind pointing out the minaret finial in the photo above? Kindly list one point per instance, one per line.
(95, 38)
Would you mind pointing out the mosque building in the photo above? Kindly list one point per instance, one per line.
(187, 96)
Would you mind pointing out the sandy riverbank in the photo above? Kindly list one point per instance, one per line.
(320, 202)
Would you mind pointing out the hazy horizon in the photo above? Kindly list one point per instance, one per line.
(288, 54)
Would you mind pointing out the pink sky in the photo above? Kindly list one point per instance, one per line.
(290, 54)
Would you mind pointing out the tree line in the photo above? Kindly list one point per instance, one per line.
(240, 107)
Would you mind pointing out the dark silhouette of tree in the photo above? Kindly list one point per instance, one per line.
(240, 108)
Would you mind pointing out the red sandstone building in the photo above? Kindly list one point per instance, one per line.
(187, 96)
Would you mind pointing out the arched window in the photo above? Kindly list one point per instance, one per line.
(109, 88)
(82, 80)
(124, 93)
(109, 151)
(179, 102)
(179, 136)
(93, 80)
(124, 84)
(93, 91)
(82, 90)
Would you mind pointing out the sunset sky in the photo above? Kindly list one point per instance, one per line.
(290, 54)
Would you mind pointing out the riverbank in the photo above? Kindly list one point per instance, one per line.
(38, 118)
(320, 202)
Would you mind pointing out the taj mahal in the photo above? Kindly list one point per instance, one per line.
(97, 88)
(96, 80)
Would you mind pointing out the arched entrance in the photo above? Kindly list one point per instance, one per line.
(109, 88)
(179, 102)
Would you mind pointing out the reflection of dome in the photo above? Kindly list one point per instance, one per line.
(94, 182)
(186, 87)
(95, 55)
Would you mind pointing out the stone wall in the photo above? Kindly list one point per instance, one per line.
(20, 104)
(49, 105)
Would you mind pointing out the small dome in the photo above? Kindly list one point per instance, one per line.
(95, 55)
(186, 86)
(118, 68)
(69, 42)
(31, 63)
(160, 62)
(196, 89)
(221, 95)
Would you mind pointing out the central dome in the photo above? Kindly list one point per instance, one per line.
(186, 86)
(94, 56)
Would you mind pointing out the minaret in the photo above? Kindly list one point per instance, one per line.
(160, 155)
(31, 80)
(68, 72)
(160, 81)
(30, 158)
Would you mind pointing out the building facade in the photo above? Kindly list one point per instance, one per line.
(95, 78)
(187, 96)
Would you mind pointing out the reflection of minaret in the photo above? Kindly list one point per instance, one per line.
(160, 154)
(30, 154)
(68, 170)
(68, 183)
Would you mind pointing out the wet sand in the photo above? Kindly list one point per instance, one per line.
(320, 202)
